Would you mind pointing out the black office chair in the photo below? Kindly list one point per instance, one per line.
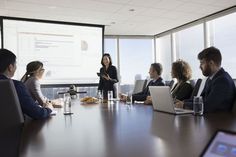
(196, 88)
(193, 83)
(170, 83)
(11, 120)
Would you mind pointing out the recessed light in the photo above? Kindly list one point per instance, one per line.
(52, 7)
(113, 23)
(131, 10)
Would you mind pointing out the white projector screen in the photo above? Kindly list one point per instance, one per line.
(71, 54)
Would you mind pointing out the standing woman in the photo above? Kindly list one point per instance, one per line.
(108, 76)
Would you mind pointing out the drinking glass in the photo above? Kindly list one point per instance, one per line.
(198, 105)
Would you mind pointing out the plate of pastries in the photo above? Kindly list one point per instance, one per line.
(89, 100)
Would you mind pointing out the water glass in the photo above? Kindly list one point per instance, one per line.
(99, 95)
(129, 98)
(110, 95)
(198, 106)
(67, 104)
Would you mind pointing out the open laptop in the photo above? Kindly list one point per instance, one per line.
(162, 100)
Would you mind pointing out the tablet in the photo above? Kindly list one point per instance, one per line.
(222, 144)
(99, 74)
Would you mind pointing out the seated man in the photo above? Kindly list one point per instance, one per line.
(28, 105)
(155, 74)
(219, 91)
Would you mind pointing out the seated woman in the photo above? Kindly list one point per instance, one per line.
(34, 72)
(155, 74)
(182, 72)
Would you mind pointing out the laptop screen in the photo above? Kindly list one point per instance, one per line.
(223, 143)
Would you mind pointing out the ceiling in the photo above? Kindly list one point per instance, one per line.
(121, 17)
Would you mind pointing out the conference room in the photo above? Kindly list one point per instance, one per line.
(70, 38)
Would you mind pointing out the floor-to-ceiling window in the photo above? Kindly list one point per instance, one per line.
(163, 55)
(136, 55)
(110, 47)
(189, 43)
(224, 38)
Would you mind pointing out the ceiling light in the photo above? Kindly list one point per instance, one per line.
(52, 7)
(131, 10)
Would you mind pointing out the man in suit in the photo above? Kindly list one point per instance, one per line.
(219, 91)
(155, 74)
(28, 105)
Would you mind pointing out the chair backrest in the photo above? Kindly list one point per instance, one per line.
(192, 82)
(196, 88)
(170, 83)
(139, 85)
(10, 111)
(11, 120)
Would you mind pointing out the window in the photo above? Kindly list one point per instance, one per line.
(163, 50)
(190, 42)
(135, 60)
(224, 38)
(110, 47)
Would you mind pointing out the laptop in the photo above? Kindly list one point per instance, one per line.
(162, 100)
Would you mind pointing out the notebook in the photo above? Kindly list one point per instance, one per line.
(162, 100)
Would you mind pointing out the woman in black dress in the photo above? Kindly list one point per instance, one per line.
(108, 76)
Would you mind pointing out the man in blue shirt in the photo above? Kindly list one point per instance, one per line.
(28, 105)
(219, 91)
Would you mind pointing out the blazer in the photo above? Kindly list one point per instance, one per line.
(182, 91)
(141, 96)
(33, 86)
(106, 85)
(28, 105)
(219, 93)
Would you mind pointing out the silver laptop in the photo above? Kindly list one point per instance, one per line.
(162, 100)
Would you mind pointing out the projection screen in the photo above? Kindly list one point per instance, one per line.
(71, 54)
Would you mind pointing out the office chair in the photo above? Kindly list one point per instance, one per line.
(139, 85)
(11, 120)
(196, 88)
(192, 82)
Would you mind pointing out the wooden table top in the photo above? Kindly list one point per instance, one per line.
(120, 130)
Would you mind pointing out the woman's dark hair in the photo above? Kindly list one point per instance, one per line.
(181, 70)
(6, 58)
(30, 69)
(107, 55)
(157, 67)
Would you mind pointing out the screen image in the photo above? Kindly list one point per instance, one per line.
(222, 145)
(71, 54)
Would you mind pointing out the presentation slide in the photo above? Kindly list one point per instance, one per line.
(71, 54)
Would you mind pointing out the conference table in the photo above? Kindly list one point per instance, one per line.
(117, 129)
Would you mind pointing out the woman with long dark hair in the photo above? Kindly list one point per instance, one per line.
(108, 76)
